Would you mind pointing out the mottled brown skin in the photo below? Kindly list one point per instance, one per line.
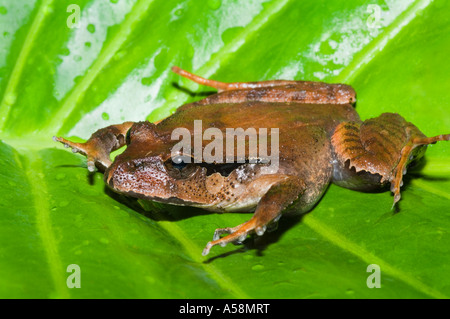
(321, 140)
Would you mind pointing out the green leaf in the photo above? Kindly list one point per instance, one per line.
(115, 67)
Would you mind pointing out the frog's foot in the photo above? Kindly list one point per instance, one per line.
(94, 155)
(99, 145)
(280, 195)
(235, 234)
(400, 169)
(239, 235)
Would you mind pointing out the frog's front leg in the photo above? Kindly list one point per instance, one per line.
(100, 145)
(278, 197)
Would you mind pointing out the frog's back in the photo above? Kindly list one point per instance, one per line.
(285, 116)
(304, 130)
(301, 126)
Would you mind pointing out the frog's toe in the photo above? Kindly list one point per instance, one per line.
(90, 163)
(227, 230)
(220, 231)
(67, 143)
(261, 230)
(234, 235)
(207, 249)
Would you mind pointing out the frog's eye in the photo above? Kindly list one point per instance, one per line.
(180, 162)
(180, 167)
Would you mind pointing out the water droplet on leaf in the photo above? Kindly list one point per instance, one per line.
(64, 203)
(10, 98)
(258, 267)
(146, 81)
(214, 4)
(91, 28)
(65, 51)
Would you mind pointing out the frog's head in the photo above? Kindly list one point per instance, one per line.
(146, 170)
(380, 150)
(149, 170)
(157, 178)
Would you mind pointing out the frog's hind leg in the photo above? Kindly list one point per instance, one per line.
(100, 145)
(382, 146)
(280, 91)
(269, 209)
(226, 86)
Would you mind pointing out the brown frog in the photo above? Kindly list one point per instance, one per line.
(321, 139)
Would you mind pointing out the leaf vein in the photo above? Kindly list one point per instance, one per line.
(70, 102)
(9, 96)
(366, 256)
(194, 252)
(212, 65)
(430, 188)
(376, 46)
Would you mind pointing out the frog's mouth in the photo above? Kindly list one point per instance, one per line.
(170, 181)
(170, 200)
(180, 168)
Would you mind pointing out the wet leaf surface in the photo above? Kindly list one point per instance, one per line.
(115, 67)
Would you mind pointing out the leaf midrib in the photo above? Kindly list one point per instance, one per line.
(40, 194)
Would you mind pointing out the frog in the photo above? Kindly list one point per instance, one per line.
(321, 140)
